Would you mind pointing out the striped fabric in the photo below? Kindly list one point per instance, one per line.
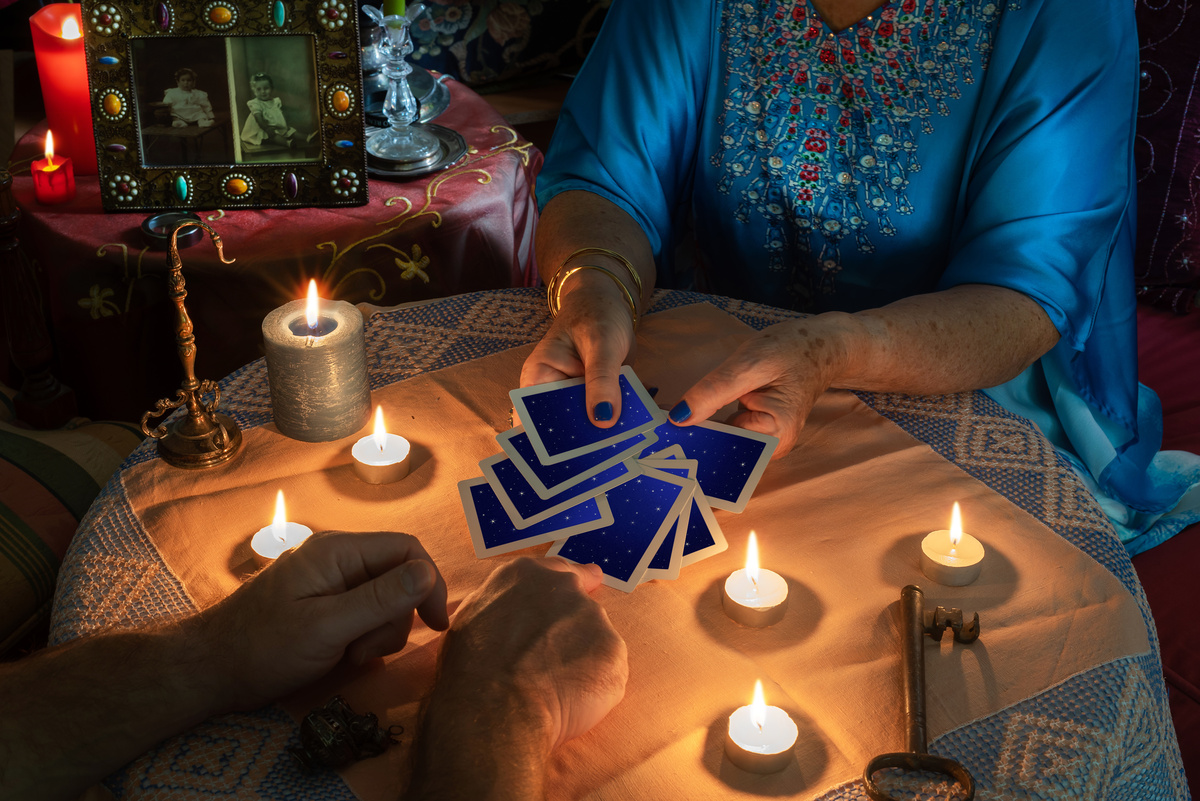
(47, 481)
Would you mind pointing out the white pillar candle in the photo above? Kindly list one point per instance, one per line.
(753, 596)
(271, 541)
(380, 457)
(951, 556)
(317, 368)
(760, 738)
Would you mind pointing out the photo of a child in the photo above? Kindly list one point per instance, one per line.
(183, 96)
(267, 121)
(273, 80)
(189, 105)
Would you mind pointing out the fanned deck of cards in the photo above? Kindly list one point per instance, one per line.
(636, 499)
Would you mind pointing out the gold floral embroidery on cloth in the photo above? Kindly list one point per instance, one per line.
(415, 265)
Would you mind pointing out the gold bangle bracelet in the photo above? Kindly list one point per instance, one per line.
(554, 289)
(612, 254)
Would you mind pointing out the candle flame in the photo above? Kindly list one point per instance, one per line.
(758, 707)
(279, 524)
(310, 310)
(50, 146)
(70, 29)
(956, 530)
(752, 559)
(380, 433)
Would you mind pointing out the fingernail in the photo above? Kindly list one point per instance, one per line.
(680, 412)
(603, 411)
(652, 391)
(417, 578)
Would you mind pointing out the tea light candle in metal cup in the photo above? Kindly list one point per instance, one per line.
(317, 368)
(951, 556)
(380, 457)
(760, 738)
(272, 541)
(753, 596)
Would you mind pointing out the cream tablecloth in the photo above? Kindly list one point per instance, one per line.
(1061, 697)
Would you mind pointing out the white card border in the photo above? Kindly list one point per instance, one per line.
(770, 443)
(646, 440)
(668, 520)
(657, 416)
(483, 552)
(489, 473)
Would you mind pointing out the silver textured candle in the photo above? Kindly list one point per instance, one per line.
(317, 375)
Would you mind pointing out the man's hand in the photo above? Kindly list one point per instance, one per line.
(529, 662)
(338, 595)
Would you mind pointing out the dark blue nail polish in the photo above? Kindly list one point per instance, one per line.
(680, 412)
(602, 412)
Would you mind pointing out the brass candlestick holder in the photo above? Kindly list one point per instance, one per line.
(203, 437)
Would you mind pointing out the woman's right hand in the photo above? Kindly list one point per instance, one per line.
(592, 336)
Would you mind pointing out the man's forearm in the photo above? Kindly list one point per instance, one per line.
(60, 732)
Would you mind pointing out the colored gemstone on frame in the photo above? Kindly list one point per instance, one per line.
(344, 143)
(236, 186)
(220, 15)
(278, 13)
(291, 186)
(162, 15)
(112, 104)
(181, 188)
(109, 61)
(341, 101)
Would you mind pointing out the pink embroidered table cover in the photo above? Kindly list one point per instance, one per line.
(467, 228)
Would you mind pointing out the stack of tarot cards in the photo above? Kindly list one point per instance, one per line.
(636, 499)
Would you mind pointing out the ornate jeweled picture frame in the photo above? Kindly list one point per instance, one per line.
(206, 104)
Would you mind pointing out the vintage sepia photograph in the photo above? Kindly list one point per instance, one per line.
(183, 106)
(274, 89)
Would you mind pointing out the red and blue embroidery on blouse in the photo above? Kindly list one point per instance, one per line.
(820, 130)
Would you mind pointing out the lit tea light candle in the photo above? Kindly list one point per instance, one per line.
(317, 368)
(380, 457)
(271, 541)
(53, 178)
(760, 738)
(951, 556)
(754, 596)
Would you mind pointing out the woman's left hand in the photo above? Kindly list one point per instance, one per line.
(776, 376)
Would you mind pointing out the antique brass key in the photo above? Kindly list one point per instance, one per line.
(915, 623)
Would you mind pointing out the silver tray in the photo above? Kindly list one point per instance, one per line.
(452, 148)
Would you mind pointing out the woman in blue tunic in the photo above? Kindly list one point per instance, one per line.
(947, 186)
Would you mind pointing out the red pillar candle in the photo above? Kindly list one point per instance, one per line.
(53, 178)
(62, 70)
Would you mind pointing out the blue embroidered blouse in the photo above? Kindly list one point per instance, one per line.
(931, 144)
